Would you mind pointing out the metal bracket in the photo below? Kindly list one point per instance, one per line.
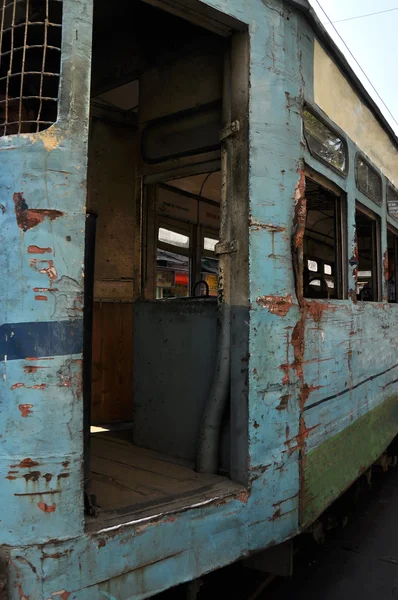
(226, 247)
(231, 129)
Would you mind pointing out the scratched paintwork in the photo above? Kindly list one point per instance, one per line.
(301, 353)
(42, 193)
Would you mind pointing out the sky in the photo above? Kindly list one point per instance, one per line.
(373, 41)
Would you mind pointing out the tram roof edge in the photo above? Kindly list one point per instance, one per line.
(324, 37)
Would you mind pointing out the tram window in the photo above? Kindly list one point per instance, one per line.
(30, 64)
(172, 237)
(392, 202)
(209, 263)
(173, 263)
(324, 143)
(322, 243)
(367, 231)
(392, 245)
(368, 180)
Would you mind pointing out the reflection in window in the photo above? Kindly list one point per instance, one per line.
(312, 265)
(322, 243)
(172, 275)
(172, 266)
(209, 264)
(368, 180)
(172, 237)
(392, 202)
(367, 235)
(210, 244)
(392, 245)
(324, 143)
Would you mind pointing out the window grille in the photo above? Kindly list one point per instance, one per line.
(30, 64)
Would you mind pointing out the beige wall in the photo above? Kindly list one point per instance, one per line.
(335, 96)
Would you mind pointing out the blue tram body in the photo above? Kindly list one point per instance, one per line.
(256, 166)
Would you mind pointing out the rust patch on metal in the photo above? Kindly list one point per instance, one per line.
(32, 476)
(26, 463)
(28, 218)
(315, 310)
(256, 425)
(297, 342)
(277, 305)
(284, 402)
(33, 358)
(299, 220)
(39, 386)
(267, 226)
(306, 391)
(45, 289)
(42, 298)
(26, 409)
(47, 508)
(2, 208)
(50, 270)
(63, 476)
(101, 543)
(276, 515)
(10, 477)
(243, 496)
(48, 477)
(38, 250)
(32, 368)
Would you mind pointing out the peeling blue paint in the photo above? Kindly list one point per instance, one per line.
(49, 552)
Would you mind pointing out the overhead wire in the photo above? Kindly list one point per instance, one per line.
(356, 61)
(379, 12)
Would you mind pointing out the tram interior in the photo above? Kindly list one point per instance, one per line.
(322, 243)
(154, 184)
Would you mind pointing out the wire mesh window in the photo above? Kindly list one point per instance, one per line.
(30, 63)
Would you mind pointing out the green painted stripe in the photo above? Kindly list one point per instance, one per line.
(331, 468)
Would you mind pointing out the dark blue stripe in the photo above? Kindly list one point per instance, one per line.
(51, 338)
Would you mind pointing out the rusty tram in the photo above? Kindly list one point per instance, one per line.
(199, 225)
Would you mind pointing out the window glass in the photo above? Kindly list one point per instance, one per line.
(367, 278)
(172, 275)
(312, 265)
(392, 202)
(324, 143)
(392, 245)
(322, 243)
(368, 180)
(210, 244)
(172, 237)
(30, 64)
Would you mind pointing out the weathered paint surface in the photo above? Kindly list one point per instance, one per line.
(337, 99)
(321, 398)
(42, 221)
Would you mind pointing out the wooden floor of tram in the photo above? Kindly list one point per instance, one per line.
(132, 483)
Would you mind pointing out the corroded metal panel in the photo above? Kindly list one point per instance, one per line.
(317, 386)
(42, 197)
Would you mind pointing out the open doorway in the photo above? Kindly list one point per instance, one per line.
(155, 183)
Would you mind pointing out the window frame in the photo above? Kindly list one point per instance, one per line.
(394, 232)
(360, 155)
(376, 255)
(322, 119)
(390, 186)
(340, 232)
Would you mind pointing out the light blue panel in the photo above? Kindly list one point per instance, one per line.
(42, 222)
(297, 358)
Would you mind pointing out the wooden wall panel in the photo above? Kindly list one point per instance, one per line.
(112, 374)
